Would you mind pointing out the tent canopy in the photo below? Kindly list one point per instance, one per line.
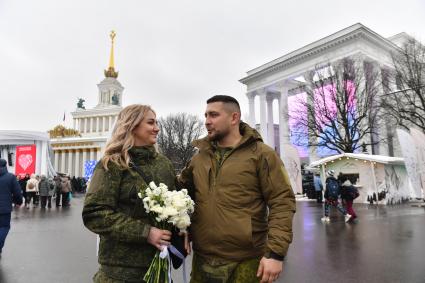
(10, 137)
(360, 156)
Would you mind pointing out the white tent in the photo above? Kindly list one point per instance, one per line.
(383, 176)
(10, 139)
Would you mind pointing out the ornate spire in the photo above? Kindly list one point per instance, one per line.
(110, 73)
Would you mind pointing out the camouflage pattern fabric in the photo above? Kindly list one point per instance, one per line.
(101, 277)
(113, 210)
(230, 272)
(220, 155)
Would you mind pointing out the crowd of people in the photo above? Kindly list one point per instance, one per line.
(40, 190)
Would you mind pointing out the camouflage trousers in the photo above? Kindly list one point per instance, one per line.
(101, 277)
(233, 272)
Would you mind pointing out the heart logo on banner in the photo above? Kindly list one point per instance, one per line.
(25, 160)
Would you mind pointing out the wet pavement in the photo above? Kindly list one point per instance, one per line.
(386, 245)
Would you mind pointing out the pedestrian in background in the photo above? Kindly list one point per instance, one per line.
(32, 190)
(23, 184)
(65, 190)
(348, 194)
(318, 187)
(58, 190)
(332, 195)
(46, 189)
(10, 191)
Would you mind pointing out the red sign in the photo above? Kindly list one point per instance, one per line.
(25, 159)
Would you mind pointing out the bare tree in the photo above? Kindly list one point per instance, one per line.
(177, 131)
(407, 104)
(340, 107)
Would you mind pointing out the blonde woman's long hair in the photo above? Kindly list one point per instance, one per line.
(122, 138)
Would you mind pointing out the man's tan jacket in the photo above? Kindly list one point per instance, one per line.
(244, 209)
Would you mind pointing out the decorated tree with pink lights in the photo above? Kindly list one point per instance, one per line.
(339, 109)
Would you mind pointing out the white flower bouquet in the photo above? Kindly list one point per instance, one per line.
(167, 210)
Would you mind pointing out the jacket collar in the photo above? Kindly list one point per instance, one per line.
(141, 154)
(249, 135)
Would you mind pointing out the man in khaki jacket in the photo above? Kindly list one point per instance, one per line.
(242, 225)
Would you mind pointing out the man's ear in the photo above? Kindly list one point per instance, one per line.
(236, 117)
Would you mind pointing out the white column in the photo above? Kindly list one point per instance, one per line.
(110, 123)
(69, 169)
(86, 125)
(270, 123)
(283, 116)
(103, 124)
(74, 123)
(91, 154)
(77, 163)
(251, 101)
(263, 122)
(55, 160)
(97, 124)
(84, 159)
(62, 167)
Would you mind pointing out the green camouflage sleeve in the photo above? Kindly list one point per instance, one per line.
(280, 199)
(100, 212)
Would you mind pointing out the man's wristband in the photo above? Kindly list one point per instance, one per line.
(274, 255)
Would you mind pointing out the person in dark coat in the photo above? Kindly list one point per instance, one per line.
(58, 190)
(10, 191)
(348, 194)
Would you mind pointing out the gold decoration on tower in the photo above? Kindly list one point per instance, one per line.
(110, 73)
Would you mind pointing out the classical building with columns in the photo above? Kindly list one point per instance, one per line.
(91, 127)
(283, 78)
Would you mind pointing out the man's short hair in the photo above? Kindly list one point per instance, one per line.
(226, 99)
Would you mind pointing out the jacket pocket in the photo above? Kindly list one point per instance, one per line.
(233, 230)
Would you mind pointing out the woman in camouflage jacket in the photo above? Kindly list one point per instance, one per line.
(112, 208)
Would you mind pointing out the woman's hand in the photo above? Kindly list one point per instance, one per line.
(159, 238)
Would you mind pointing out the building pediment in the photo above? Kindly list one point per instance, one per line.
(322, 46)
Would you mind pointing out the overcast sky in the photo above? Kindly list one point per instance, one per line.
(172, 55)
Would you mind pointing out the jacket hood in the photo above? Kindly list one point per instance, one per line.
(3, 167)
(249, 135)
(3, 170)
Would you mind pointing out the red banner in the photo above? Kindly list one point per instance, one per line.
(25, 159)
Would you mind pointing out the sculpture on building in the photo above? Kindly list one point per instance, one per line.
(60, 132)
(115, 99)
(80, 103)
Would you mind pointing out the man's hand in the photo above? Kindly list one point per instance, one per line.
(269, 270)
(159, 238)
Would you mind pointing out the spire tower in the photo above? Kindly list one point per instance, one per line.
(111, 73)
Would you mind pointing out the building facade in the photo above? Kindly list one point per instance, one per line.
(283, 78)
